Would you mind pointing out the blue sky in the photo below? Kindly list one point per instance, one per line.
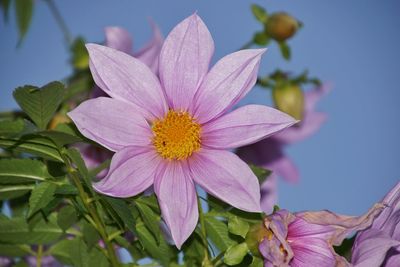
(349, 164)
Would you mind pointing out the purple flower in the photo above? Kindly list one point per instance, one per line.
(307, 238)
(174, 131)
(269, 153)
(379, 245)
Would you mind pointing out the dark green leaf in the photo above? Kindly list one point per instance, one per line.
(60, 138)
(71, 252)
(261, 173)
(235, 254)
(193, 250)
(237, 226)
(14, 250)
(259, 13)
(19, 171)
(217, 231)
(14, 191)
(10, 128)
(123, 211)
(17, 231)
(5, 5)
(260, 38)
(41, 196)
(90, 235)
(66, 189)
(150, 218)
(66, 217)
(76, 158)
(34, 145)
(345, 248)
(285, 50)
(23, 13)
(40, 104)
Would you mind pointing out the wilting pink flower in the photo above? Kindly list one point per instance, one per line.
(118, 38)
(307, 238)
(174, 131)
(379, 245)
(269, 153)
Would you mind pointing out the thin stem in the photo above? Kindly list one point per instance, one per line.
(60, 21)
(203, 230)
(97, 221)
(39, 256)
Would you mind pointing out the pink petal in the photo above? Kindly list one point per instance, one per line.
(177, 198)
(228, 81)
(131, 172)
(112, 123)
(222, 174)
(244, 126)
(311, 252)
(119, 39)
(184, 61)
(285, 168)
(126, 78)
(150, 52)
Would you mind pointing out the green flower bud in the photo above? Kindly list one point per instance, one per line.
(281, 26)
(289, 99)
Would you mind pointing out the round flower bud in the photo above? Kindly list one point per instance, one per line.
(281, 26)
(289, 99)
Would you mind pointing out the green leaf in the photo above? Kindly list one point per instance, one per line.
(90, 235)
(285, 50)
(66, 189)
(150, 218)
(76, 158)
(71, 252)
(80, 56)
(23, 13)
(161, 252)
(14, 191)
(235, 254)
(260, 38)
(5, 5)
(10, 128)
(17, 231)
(60, 138)
(80, 83)
(257, 262)
(14, 250)
(261, 173)
(40, 104)
(259, 13)
(66, 217)
(123, 211)
(237, 226)
(35, 145)
(217, 231)
(40, 197)
(20, 171)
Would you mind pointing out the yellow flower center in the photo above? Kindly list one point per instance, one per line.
(176, 136)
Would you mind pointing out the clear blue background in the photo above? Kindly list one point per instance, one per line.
(350, 163)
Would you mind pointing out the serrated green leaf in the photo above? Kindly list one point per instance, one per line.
(235, 254)
(162, 252)
(122, 209)
(66, 217)
(217, 231)
(259, 13)
(237, 226)
(41, 196)
(22, 171)
(40, 104)
(38, 146)
(11, 250)
(285, 50)
(14, 191)
(23, 13)
(72, 252)
(150, 218)
(17, 231)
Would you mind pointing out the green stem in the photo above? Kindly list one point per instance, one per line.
(203, 230)
(39, 256)
(60, 21)
(97, 221)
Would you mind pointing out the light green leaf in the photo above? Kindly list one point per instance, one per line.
(40, 104)
(235, 254)
(257, 262)
(41, 196)
(66, 217)
(259, 13)
(80, 56)
(19, 171)
(217, 231)
(14, 191)
(237, 226)
(285, 50)
(71, 252)
(23, 13)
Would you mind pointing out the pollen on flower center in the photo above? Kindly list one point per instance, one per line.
(176, 136)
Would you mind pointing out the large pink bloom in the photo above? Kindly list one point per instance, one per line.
(174, 131)
(307, 238)
(269, 153)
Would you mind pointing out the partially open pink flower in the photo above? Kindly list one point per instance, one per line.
(174, 131)
(307, 238)
(379, 245)
(269, 153)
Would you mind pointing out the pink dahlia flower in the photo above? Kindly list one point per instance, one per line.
(269, 153)
(307, 238)
(175, 131)
(379, 245)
